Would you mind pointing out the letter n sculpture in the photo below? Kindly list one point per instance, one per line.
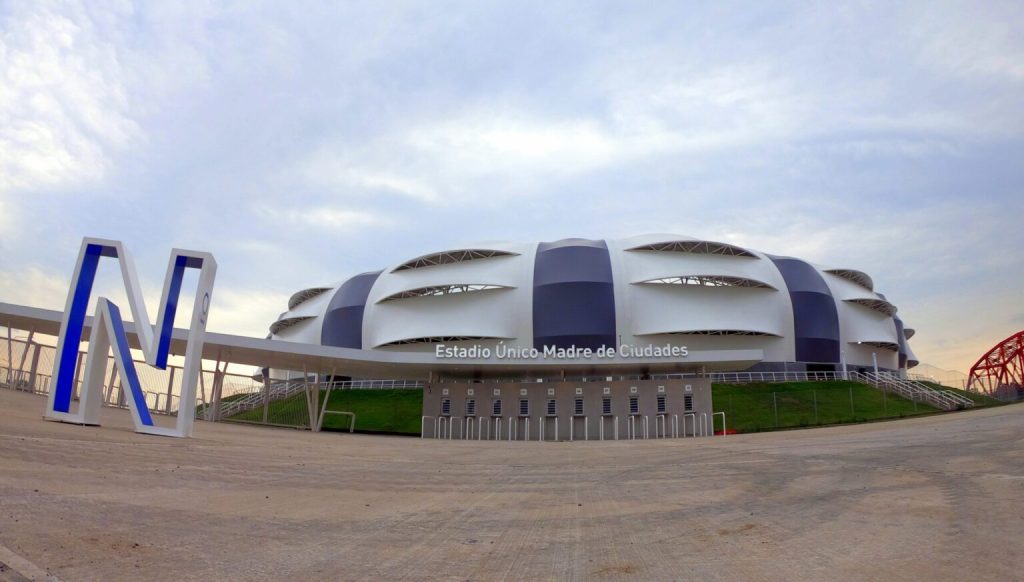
(108, 331)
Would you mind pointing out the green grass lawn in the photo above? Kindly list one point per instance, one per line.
(395, 411)
(201, 408)
(392, 411)
(748, 407)
(758, 407)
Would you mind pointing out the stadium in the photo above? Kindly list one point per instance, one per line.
(697, 304)
(639, 316)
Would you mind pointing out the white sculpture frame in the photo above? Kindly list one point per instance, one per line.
(108, 332)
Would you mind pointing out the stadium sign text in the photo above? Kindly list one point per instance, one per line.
(504, 352)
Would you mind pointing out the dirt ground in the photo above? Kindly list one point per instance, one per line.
(937, 498)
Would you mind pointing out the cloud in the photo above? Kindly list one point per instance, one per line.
(334, 219)
(334, 172)
(64, 108)
(973, 40)
(244, 312)
(34, 286)
(887, 139)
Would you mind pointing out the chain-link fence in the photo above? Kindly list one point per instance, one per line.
(387, 406)
(759, 407)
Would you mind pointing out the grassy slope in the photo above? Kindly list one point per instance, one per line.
(751, 407)
(394, 411)
(748, 407)
(978, 399)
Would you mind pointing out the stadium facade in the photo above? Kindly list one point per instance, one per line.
(592, 339)
(656, 302)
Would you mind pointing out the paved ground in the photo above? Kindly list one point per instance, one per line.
(924, 499)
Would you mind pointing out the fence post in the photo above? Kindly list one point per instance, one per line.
(775, 404)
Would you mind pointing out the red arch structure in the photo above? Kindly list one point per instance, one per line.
(1000, 372)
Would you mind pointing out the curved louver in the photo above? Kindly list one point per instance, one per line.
(449, 257)
(891, 346)
(436, 290)
(724, 332)
(702, 247)
(439, 339)
(709, 281)
(858, 277)
(283, 324)
(880, 305)
(305, 295)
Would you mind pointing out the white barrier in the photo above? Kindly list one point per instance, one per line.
(693, 417)
(454, 421)
(664, 426)
(637, 427)
(713, 415)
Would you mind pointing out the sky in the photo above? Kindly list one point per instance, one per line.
(304, 142)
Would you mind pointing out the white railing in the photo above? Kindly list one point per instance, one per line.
(256, 398)
(760, 377)
(280, 390)
(372, 384)
(916, 391)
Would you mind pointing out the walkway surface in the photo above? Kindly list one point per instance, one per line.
(937, 498)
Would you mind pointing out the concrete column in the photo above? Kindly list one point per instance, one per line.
(208, 414)
(266, 398)
(215, 397)
(170, 390)
(10, 356)
(34, 367)
(24, 354)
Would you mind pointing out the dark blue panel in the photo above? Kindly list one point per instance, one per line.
(128, 373)
(573, 295)
(817, 350)
(64, 382)
(343, 320)
(815, 318)
(170, 310)
(902, 340)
